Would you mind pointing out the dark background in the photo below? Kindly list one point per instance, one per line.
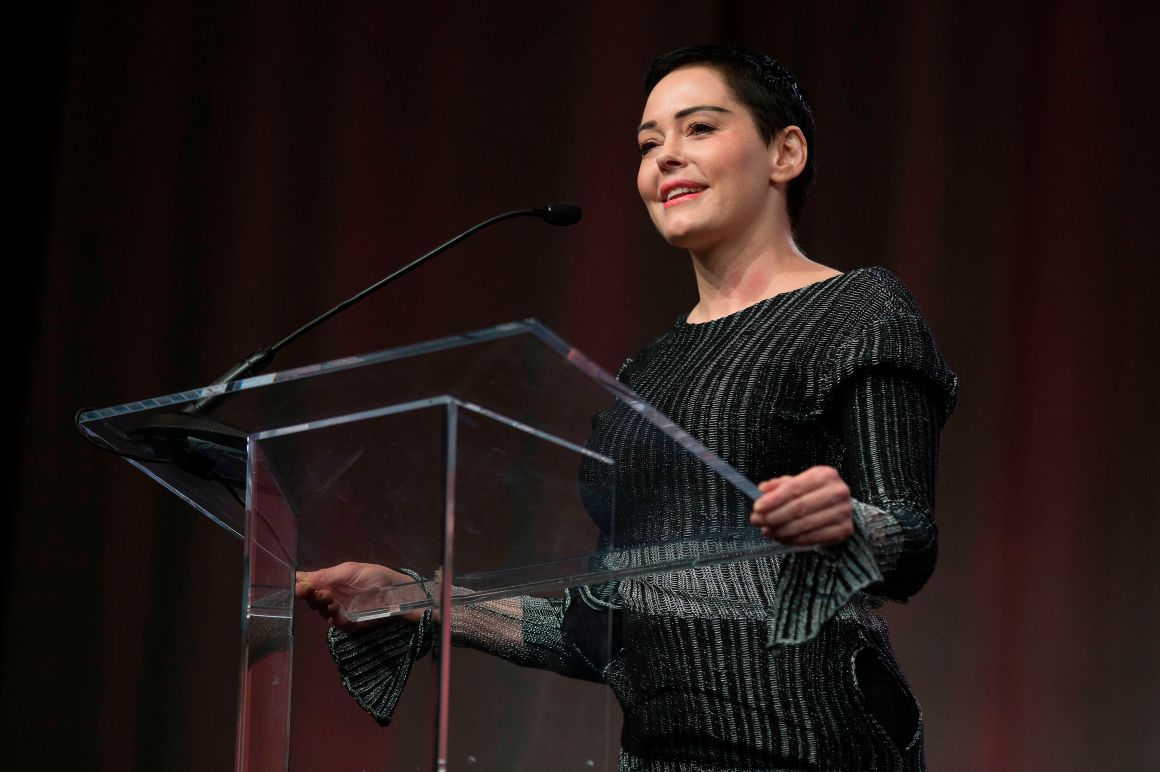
(204, 177)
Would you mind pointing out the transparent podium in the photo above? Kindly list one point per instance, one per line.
(466, 466)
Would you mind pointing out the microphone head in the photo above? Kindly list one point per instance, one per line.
(560, 213)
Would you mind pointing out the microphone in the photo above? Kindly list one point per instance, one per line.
(560, 213)
(213, 450)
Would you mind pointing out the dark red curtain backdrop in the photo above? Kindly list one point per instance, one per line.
(214, 175)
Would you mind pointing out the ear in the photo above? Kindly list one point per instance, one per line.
(787, 154)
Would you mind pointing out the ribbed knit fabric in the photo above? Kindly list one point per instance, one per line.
(755, 665)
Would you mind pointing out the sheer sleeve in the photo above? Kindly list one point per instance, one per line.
(528, 631)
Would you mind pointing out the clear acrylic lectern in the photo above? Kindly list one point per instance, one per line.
(462, 459)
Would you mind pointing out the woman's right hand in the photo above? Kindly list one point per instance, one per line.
(330, 590)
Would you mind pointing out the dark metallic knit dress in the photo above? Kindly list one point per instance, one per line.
(772, 664)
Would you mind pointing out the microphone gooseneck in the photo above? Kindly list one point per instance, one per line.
(556, 213)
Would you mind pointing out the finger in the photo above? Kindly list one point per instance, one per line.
(791, 487)
(327, 610)
(778, 495)
(822, 518)
(813, 478)
(330, 575)
(807, 504)
(785, 511)
(305, 591)
(768, 485)
(821, 472)
(804, 505)
(829, 536)
(318, 600)
(826, 479)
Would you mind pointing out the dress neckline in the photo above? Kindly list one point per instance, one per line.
(684, 323)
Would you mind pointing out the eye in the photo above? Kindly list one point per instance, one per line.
(701, 127)
(647, 146)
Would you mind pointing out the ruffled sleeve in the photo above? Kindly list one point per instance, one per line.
(374, 662)
(891, 391)
(815, 585)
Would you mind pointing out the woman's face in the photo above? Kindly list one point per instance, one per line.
(704, 170)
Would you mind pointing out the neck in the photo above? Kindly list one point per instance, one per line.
(737, 276)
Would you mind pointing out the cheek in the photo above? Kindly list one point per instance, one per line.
(644, 182)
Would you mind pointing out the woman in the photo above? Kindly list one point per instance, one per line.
(825, 385)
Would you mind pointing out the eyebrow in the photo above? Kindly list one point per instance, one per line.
(684, 114)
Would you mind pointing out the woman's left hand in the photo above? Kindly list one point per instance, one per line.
(807, 509)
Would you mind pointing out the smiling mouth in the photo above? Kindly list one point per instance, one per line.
(682, 194)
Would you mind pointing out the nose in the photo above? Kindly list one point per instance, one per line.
(668, 156)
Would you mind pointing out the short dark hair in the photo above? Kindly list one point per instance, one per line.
(768, 89)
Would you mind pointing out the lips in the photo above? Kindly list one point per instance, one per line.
(677, 191)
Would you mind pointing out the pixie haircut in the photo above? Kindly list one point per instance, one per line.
(770, 91)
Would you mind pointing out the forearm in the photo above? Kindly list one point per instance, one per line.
(891, 432)
(527, 631)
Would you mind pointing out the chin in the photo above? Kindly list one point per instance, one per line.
(684, 238)
(677, 234)
(681, 241)
(684, 230)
